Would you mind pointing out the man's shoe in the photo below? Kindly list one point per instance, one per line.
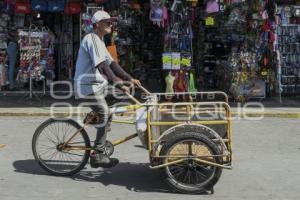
(98, 159)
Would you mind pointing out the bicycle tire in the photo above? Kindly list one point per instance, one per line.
(41, 129)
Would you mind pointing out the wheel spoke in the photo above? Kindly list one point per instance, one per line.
(43, 152)
(48, 147)
(205, 170)
(196, 176)
(185, 177)
(188, 174)
(201, 174)
(176, 169)
(53, 131)
(190, 148)
(55, 134)
(51, 156)
(75, 154)
(50, 139)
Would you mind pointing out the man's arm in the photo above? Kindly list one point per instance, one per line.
(119, 71)
(104, 68)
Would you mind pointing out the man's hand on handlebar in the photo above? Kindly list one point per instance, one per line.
(136, 82)
(125, 89)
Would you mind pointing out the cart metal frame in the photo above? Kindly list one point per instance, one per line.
(188, 108)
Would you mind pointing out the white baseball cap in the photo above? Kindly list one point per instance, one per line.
(102, 15)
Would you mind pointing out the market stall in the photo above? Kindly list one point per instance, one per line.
(46, 34)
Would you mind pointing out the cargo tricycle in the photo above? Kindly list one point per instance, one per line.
(188, 137)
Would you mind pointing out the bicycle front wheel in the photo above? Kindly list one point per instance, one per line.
(51, 151)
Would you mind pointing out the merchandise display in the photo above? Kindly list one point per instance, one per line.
(36, 55)
(289, 50)
(237, 48)
(48, 37)
(176, 19)
(4, 20)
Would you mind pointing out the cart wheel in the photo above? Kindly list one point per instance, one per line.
(191, 176)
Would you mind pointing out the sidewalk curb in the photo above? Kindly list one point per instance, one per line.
(292, 115)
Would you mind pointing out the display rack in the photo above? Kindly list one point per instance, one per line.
(289, 48)
(36, 59)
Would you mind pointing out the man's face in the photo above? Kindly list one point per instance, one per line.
(105, 26)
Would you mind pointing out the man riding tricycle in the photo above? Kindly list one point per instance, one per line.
(187, 135)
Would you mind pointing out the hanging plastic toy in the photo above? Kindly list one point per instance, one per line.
(156, 13)
(191, 86)
(170, 83)
(87, 23)
(165, 17)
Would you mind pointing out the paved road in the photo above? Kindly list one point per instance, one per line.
(266, 166)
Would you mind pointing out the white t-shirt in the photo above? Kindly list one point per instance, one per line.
(88, 79)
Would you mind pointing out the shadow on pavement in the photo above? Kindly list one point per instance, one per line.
(134, 176)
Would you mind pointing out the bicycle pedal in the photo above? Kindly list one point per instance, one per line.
(109, 148)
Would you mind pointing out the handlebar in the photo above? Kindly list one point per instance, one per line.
(145, 90)
(134, 99)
